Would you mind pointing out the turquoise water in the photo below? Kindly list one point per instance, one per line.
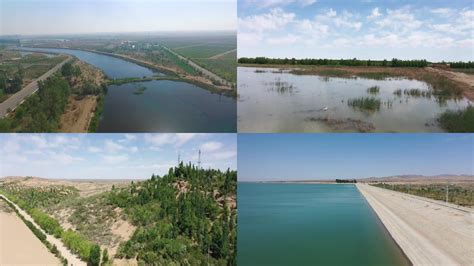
(310, 224)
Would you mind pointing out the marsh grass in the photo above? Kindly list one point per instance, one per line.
(461, 121)
(375, 75)
(365, 103)
(417, 93)
(260, 71)
(373, 90)
(282, 87)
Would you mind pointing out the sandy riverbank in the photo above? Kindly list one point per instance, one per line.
(429, 232)
(18, 245)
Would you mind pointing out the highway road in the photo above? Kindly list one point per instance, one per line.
(16, 99)
(200, 68)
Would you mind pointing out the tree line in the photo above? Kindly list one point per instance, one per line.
(181, 217)
(333, 62)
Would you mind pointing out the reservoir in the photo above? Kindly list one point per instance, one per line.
(310, 224)
(161, 105)
(274, 100)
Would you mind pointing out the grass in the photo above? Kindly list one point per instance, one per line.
(417, 93)
(204, 51)
(367, 103)
(373, 90)
(282, 87)
(398, 92)
(460, 194)
(178, 62)
(458, 121)
(224, 68)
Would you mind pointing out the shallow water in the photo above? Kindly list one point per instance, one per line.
(113, 67)
(310, 224)
(166, 106)
(305, 100)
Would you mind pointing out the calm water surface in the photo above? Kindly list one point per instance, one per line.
(264, 108)
(306, 224)
(166, 106)
(113, 67)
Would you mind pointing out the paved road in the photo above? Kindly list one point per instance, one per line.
(18, 98)
(71, 258)
(200, 68)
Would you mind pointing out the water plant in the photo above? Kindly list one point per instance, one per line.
(458, 121)
(373, 90)
(365, 103)
(398, 92)
(139, 90)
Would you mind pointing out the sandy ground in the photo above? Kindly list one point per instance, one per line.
(459, 77)
(18, 245)
(86, 187)
(78, 114)
(430, 232)
(71, 258)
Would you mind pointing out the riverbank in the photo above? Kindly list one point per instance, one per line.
(429, 232)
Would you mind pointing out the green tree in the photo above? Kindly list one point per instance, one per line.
(94, 259)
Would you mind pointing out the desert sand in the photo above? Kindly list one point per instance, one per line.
(18, 245)
(430, 232)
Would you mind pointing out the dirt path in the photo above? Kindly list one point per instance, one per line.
(429, 232)
(71, 258)
(18, 245)
(459, 77)
(217, 56)
(77, 115)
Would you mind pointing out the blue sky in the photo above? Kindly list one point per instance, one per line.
(368, 29)
(98, 16)
(328, 156)
(110, 156)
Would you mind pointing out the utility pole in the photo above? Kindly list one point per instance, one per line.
(179, 157)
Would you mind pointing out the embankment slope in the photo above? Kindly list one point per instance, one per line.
(429, 232)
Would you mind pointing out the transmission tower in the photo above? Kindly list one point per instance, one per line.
(179, 157)
(199, 160)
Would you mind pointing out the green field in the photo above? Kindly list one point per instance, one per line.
(460, 194)
(225, 68)
(204, 51)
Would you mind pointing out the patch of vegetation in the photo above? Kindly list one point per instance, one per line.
(204, 51)
(182, 217)
(282, 87)
(460, 194)
(365, 103)
(417, 93)
(94, 124)
(373, 90)
(458, 121)
(139, 90)
(41, 111)
(398, 92)
(333, 62)
(182, 64)
(224, 68)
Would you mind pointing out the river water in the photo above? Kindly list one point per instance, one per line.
(164, 106)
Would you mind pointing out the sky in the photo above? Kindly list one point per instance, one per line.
(111, 156)
(264, 157)
(435, 30)
(32, 17)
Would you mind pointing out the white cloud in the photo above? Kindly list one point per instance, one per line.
(273, 20)
(274, 3)
(283, 40)
(399, 20)
(114, 159)
(375, 14)
(94, 149)
(224, 155)
(442, 11)
(211, 146)
(112, 146)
